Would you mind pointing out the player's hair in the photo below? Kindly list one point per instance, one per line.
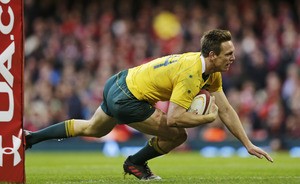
(212, 40)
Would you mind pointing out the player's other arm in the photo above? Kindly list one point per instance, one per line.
(178, 116)
(230, 118)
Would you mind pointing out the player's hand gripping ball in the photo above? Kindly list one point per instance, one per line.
(201, 103)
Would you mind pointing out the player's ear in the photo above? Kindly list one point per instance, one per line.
(212, 55)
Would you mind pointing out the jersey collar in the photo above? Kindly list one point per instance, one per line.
(203, 63)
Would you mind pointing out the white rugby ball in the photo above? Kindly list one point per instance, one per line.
(201, 103)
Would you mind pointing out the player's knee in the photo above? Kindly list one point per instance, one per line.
(180, 137)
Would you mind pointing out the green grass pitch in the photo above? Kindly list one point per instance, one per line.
(190, 167)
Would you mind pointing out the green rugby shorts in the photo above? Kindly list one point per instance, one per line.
(119, 102)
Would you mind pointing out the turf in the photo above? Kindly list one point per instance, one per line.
(91, 167)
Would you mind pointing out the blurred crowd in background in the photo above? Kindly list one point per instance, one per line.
(73, 46)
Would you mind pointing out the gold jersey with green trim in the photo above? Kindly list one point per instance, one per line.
(176, 78)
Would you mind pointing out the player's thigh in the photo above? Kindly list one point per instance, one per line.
(156, 125)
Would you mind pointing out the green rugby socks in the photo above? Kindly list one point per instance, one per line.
(146, 153)
(57, 131)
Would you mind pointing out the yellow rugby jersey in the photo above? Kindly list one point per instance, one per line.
(176, 78)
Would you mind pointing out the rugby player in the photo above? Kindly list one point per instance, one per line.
(130, 95)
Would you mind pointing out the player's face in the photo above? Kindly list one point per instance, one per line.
(226, 57)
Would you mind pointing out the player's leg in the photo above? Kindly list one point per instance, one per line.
(166, 139)
(99, 125)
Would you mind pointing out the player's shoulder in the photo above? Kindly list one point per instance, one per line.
(191, 55)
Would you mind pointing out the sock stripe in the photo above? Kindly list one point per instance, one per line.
(154, 143)
(66, 127)
(69, 125)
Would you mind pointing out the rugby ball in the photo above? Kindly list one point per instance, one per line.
(201, 103)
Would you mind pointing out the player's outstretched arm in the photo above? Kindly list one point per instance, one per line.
(259, 153)
(230, 118)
